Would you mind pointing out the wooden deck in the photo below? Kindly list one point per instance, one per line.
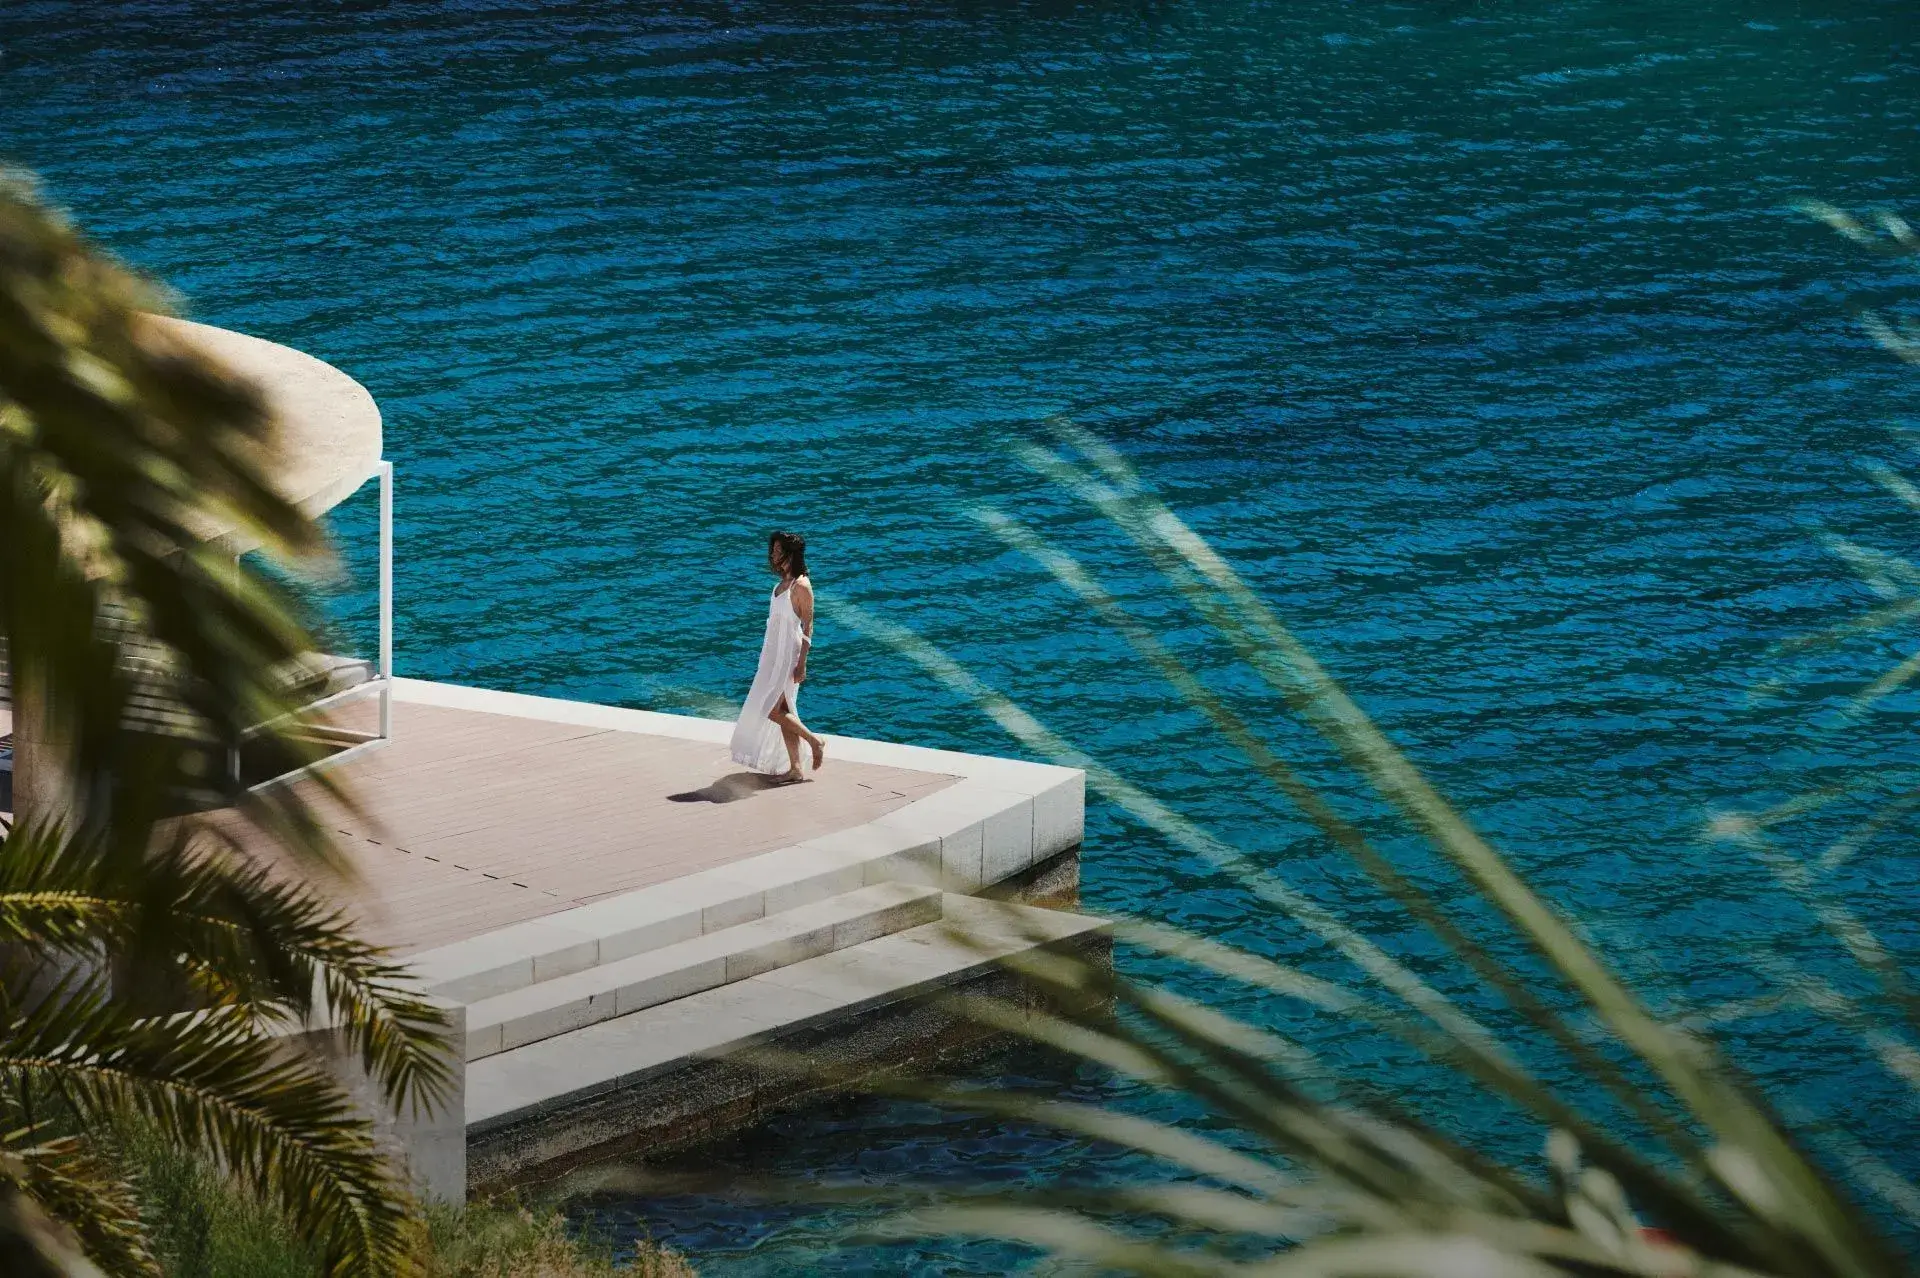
(477, 820)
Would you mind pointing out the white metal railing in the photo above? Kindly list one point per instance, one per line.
(355, 742)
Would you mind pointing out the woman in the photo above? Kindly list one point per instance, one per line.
(767, 738)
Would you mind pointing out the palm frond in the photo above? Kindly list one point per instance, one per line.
(138, 652)
(1746, 1195)
(1861, 833)
(120, 453)
(1367, 955)
(1890, 234)
(1753, 1158)
(85, 1193)
(1667, 1196)
(253, 939)
(1798, 880)
(32, 1243)
(1157, 815)
(1372, 1142)
(1345, 835)
(211, 1081)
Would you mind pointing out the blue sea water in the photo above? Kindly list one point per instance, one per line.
(1478, 335)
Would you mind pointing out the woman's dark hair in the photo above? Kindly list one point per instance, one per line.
(794, 547)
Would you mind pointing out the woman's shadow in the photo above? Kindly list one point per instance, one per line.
(729, 789)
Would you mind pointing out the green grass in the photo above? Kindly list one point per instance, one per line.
(202, 1225)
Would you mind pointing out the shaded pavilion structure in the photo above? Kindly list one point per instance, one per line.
(328, 445)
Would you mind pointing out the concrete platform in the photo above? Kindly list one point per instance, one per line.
(571, 879)
(611, 911)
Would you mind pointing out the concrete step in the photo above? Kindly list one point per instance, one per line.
(943, 841)
(521, 1099)
(563, 1004)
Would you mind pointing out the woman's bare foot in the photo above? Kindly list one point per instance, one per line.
(819, 753)
(793, 777)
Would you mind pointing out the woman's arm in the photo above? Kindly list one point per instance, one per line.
(803, 609)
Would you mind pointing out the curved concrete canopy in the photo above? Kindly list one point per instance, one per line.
(328, 427)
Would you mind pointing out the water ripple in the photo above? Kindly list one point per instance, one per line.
(1477, 336)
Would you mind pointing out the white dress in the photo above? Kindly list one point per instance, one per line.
(757, 742)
